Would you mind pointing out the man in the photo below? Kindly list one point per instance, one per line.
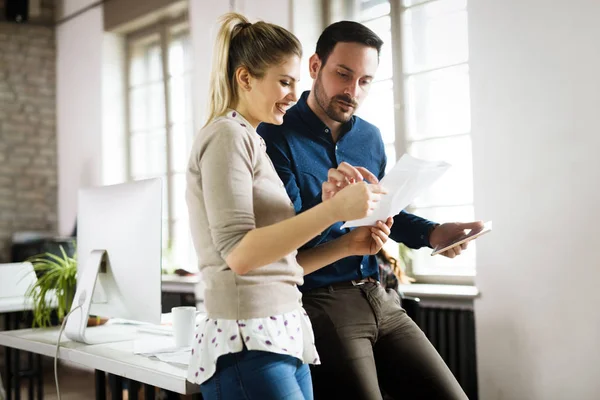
(364, 338)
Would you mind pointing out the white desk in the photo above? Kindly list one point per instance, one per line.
(113, 358)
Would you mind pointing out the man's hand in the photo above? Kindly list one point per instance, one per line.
(344, 175)
(448, 232)
(368, 240)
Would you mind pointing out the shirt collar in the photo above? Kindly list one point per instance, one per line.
(314, 122)
(235, 116)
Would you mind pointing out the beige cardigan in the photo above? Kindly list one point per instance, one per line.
(233, 188)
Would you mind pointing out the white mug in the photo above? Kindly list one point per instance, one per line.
(184, 325)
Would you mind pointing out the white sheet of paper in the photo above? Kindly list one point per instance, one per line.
(181, 357)
(162, 348)
(405, 181)
(154, 345)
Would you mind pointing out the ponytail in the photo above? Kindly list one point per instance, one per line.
(221, 92)
(255, 46)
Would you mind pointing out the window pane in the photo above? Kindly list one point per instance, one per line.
(154, 62)
(390, 152)
(435, 35)
(386, 63)
(145, 63)
(180, 98)
(137, 66)
(179, 206)
(183, 250)
(148, 154)
(147, 126)
(370, 9)
(145, 60)
(147, 107)
(382, 27)
(138, 108)
(410, 3)
(424, 263)
(165, 236)
(438, 103)
(378, 109)
(181, 144)
(165, 210)
(339, 10)
(456, 185)
(179, 55)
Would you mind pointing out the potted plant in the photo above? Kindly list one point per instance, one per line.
(55, 286)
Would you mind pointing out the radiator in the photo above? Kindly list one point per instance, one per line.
(452, 332)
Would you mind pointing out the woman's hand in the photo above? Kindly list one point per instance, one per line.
(355, 201)
(368, 240)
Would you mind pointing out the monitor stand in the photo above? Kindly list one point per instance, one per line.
(75, 328)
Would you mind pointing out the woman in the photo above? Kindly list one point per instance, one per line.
(257, 339)
(391, 274)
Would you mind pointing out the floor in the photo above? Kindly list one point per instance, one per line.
(74, 383)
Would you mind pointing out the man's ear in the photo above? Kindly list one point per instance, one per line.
(314, 65)
(243, 78)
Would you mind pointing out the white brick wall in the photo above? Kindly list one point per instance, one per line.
(28, 165)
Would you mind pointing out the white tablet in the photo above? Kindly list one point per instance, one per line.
(473, 234)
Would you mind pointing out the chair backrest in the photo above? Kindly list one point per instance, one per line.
(15, 279)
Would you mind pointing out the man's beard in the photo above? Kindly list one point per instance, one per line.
(329, 105)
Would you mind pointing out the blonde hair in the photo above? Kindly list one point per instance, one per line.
(239, 43)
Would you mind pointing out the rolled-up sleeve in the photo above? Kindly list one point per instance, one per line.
(226, 172)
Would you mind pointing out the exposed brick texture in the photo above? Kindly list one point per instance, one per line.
(28, 164)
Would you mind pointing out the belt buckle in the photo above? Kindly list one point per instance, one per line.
(359, 283)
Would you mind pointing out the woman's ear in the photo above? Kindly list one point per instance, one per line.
(314, 65)
(243, 78)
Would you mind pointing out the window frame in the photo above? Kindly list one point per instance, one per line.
(401, 140)
(454, 275)
(162, 28)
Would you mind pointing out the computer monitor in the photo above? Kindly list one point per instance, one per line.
(119, 255)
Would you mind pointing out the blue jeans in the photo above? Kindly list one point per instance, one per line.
(258, 375)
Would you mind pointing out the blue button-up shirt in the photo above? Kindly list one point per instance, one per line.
(302, 150)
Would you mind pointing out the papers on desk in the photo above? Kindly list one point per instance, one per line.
(157, 341)
(160, 344)
(407, 179)
(162, 348)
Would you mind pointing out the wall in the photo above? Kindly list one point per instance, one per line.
(203, 32)
(88, 85)
(307, 25)
(277, 12)
(114, 91)
(536, 134)
(28, 179)
(118, 13)
(79, 43)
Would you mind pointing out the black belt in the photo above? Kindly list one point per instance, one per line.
(353, 283)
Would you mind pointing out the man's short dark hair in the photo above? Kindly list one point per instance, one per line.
(346, 32)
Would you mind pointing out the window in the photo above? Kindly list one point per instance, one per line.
(421, 103)
(160, 125)
(379, 105)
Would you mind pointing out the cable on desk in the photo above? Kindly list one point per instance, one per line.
(58, 346)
